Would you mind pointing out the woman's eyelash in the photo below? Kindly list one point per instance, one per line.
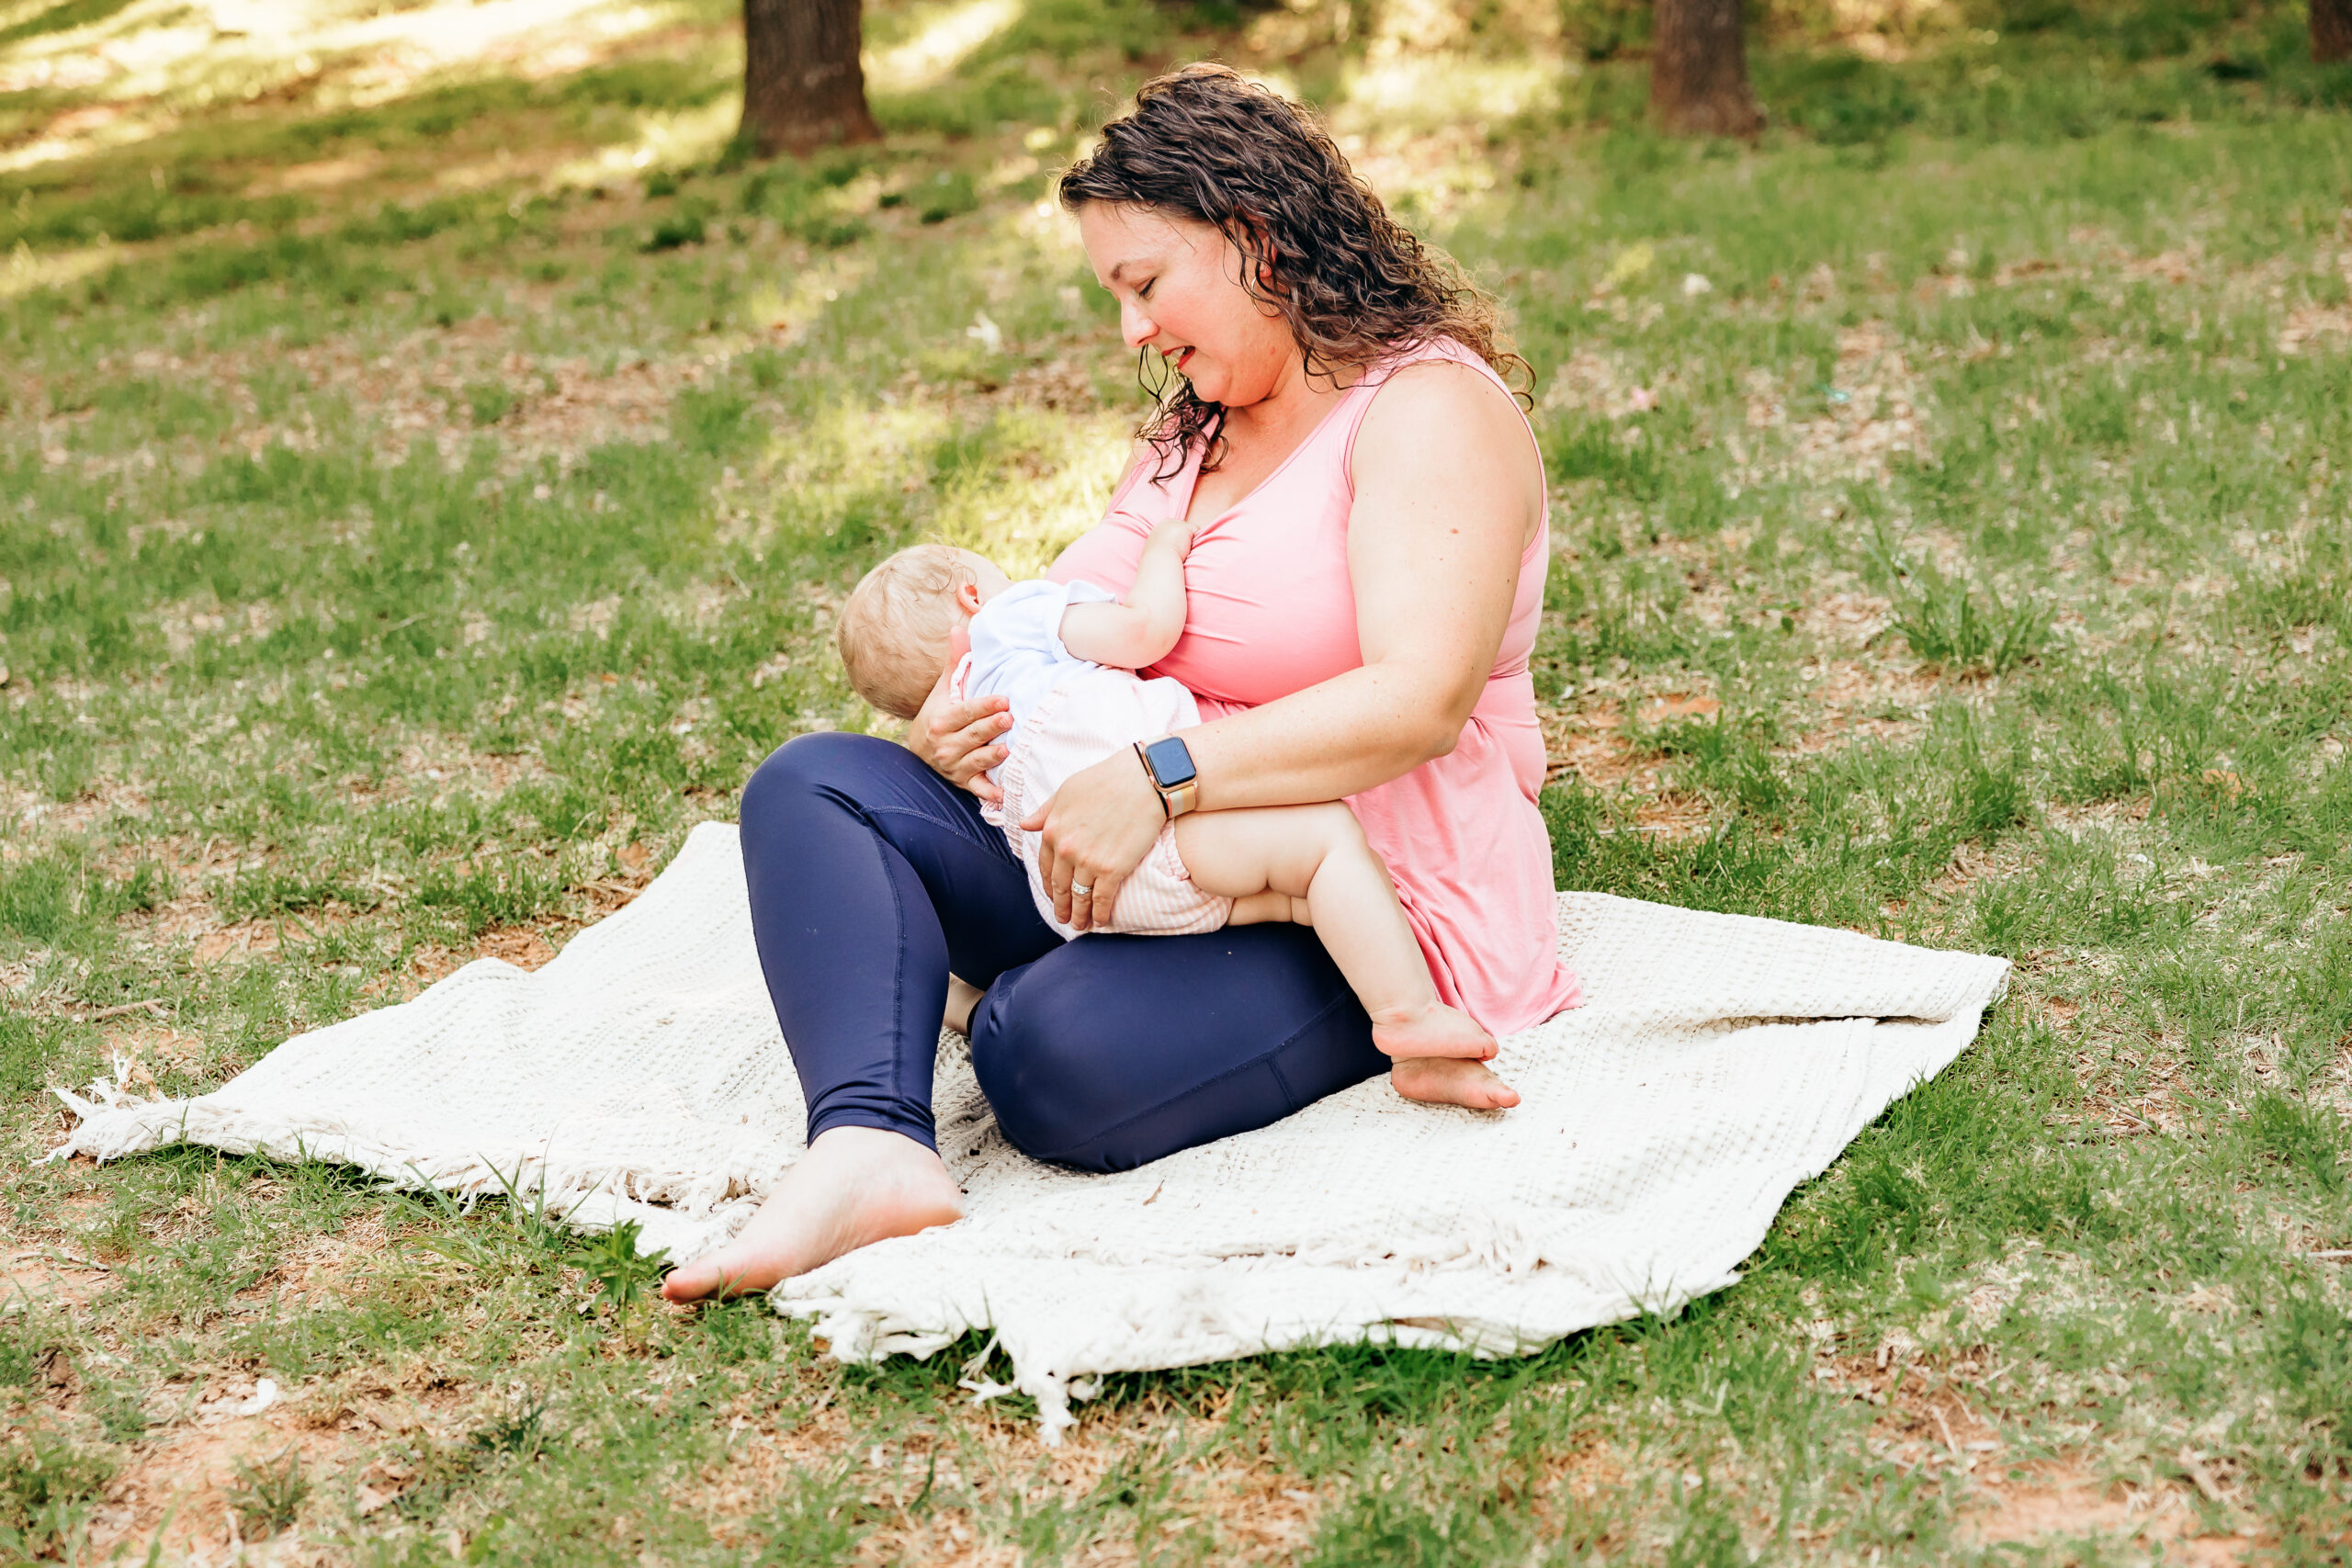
(1144, 290)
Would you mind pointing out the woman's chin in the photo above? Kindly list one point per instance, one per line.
(1220, 389)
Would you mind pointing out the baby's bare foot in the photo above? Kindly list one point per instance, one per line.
(1451, 1081)
(1435, 1030)
(855, 1186)
(961, 997)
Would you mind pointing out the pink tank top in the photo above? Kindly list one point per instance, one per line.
(1272, 611)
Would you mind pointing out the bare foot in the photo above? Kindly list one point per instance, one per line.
(1451, 1081)
(854, 1186)
(961, 997)
(1433, 1030)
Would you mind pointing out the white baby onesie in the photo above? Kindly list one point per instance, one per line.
(1068, 713)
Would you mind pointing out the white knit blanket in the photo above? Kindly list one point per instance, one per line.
(1718, 1061)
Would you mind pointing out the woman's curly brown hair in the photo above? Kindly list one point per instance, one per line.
(1356, 286)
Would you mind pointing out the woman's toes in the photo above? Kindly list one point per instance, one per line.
(854, 1186)
(726, 1272)
(693, 1281)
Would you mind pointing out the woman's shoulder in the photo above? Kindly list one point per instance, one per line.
(1437, 391)
(1444, 424)
(1440, 368)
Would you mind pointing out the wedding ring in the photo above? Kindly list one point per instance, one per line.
(1083, 889)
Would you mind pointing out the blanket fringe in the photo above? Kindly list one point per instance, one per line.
(859, 1336)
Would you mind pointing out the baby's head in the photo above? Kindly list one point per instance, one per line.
(896, 628)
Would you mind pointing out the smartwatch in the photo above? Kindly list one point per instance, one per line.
(1168, 762)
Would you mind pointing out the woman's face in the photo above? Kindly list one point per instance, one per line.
(1178, 282)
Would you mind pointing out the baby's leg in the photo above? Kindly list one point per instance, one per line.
(1317, 854)
(1270, 909)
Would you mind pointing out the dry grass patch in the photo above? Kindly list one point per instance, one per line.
(2051, 1504)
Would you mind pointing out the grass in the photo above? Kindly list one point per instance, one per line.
(423, 498)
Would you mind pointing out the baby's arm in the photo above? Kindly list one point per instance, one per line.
(1143, 626)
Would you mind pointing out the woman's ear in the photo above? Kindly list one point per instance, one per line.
(1263, 260)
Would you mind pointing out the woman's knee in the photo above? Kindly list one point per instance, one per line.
(1112, 1050)
(806, 766)
(1045, 1069)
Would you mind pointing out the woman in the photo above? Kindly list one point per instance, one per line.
(1364, 585)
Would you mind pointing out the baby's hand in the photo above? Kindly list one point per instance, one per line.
(1177, 533)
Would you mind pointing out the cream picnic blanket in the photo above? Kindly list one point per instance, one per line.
(1718, 1061)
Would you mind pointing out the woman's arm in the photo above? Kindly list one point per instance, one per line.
(1449, 494)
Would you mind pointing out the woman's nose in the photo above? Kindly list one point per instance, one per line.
(1136, 327)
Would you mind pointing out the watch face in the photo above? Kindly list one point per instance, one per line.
(1171, 762)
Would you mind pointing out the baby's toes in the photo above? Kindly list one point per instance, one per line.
(1449, 1080)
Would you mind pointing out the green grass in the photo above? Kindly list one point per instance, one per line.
(393, 569)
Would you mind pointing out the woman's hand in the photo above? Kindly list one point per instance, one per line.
(1096, 829)
(960, 741)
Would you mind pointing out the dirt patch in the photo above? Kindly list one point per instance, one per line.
(1598, 384)
(36, 816)
(1927, 1425)
(178, 1489)
(580, 409)
(1679, 706)
(1924, 1422)
(1063, 384)
(1674, 815)
(1873, 410)
(148, 1048)
(447, 385)
(446, 764)
(523, 949)
(2316, 326)
(1590, 743)
(1864, 699)
(240, 940)
(325, 174)
(317, 1264)
(2055, 1502)
(1263, 1512)
(50, 1276)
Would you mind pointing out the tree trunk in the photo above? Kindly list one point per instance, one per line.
(803, 86)
(1699, 69)
(2331, 31)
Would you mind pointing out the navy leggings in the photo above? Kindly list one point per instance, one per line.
(872, 877)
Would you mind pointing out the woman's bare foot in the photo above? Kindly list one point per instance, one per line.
(1430, 1030)
(854, 1186)
(1451, 1081)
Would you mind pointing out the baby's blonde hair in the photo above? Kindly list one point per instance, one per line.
(895, 628)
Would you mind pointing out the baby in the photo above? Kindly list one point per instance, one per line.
(1064, 656)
